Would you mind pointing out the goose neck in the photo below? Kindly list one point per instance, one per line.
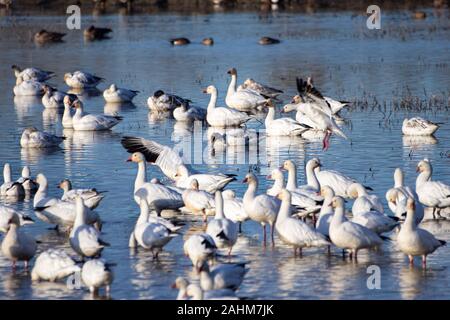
(232, 85)
(212, 100)
(141, 176)
(270, 116)
(7, 173)
(292, 179)
(311, 178)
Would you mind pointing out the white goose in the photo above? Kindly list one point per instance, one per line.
(17, 245)
(299, 200)
(10, 188)
(56, 211)
(162, 102)
(398, 196)
(244, 99)
(433, 194)
(198, 201)
(312, 187)
(336, 180)
(199, 248)
(162, 156)
(32, 73)
(349, 235)
(223, 117)
(322, 116)
(149, 235)
(335, 105)
(414, 241)
(364, 202)
(68, 114)
(27, 182)
(158, 196)
(326, 212)
(300, 117)
(85, 239)
(188, 113)
(91, 197)
(233, 208)
(92, 122)
(418, 126)
(262, 208)
(293, 231)
(52, 265)
(118, 95)
(196, 293)
(81, 80)
(376, 221)
(282, 126)
(28, 88)
(223, 231)
(33, 138)
(97, 273)
(7, 213)
(222, 276)
(52, 98)
(261, 88)
(208, 182)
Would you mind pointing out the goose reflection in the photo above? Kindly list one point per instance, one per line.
(115, 108)
(84, 94)
(33, 155)
(419, 142)
(411, 280)
(24, 106)
(50, 117)
(155, 117)
(279, 149)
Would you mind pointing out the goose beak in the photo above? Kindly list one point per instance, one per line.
(128, 160)
(417, 169)
(205, 90)
(245, 180)
(173, 286)
(269, 177)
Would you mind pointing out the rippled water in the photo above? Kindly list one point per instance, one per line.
(346, 60)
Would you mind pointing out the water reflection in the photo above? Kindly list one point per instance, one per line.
(116, 108)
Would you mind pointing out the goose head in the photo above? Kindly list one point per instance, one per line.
(410, 204)
(288, 165)
(65, 185)
(297, 99)
(423, 166)
(313, 163)
(232, 72)
(67, 76)
(113, 88)
(289, 107)
(158, 93)
(270, 104)
(275, 174)
(182, 171)
(13, 220)
(391, 195)
(67, 101)
(326, 191)
(136, 157)
(47, 89)
(250, 178)
(29, 130)
(16, 69)
(228, 194)
(337, 202)
(77, 104)
(194, 184)
(41, 179)
(210, 90)
(355, 190)
(26, 172)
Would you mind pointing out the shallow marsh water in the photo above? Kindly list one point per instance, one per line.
(405, 58)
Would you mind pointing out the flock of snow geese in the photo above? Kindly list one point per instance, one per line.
(303, 216)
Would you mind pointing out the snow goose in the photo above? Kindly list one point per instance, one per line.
(85, 239)
(312, 187)
(7, 213)
(326, 212)
(188, 113)
(433, 194)
(32, 73)
(282, 126)
(162, 156)
(349, 235)
(198, 201)
(158, 196)
(293, 231)
(261, 88)
(414, 241)
(306, 204)
(320, 115)
(81, 80)
(18, 245)
(196, 293)
(28, 88)
(67, 117)
(220, 116)
(53, 99)
(208, 182)
(376, 221)
(91, 197)
(52, 265)
(398, 196)
(161, 101)
(94, 33)
(97, 273)
(233, 208)
(335, 105)
(223, 231)
(56, 211)
(244, 99)
(33, 138)
(336, 180)
(149, 235)
(28, 183)
(45, 37)
(10, 188)
(364, 202)
(118, 95)
(199, 248)
(300, 117)
(260, 208)
(222, 276)
(83, 121)
(418, 126)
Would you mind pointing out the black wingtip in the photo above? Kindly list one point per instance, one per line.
(39, 209)
(368, 188)
(222, 235)
(443, 243)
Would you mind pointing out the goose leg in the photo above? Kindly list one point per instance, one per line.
(411, 260)
(264, 232)
(434, 213)
(240, 227)
(26, 264)
(356, 255)
(329, 250)
(424, 261)
(272, 235)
